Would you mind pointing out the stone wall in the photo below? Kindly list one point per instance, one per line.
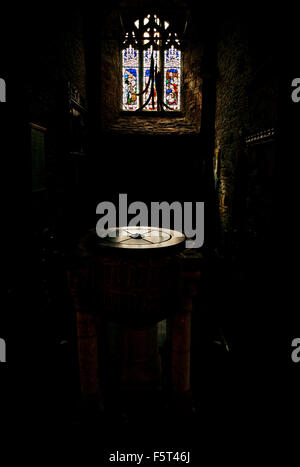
(231, 115)
(73, 53)
(110, 81)
(192, 81)
(110, 70)
(247, 99)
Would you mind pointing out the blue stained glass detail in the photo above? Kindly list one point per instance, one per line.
(130, 56)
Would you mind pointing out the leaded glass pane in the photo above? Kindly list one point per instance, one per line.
(130, 62)
(172, 78)
(146, 75)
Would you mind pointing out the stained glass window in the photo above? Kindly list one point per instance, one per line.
(145, 82)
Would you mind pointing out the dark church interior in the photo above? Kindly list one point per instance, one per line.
(199, 364)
